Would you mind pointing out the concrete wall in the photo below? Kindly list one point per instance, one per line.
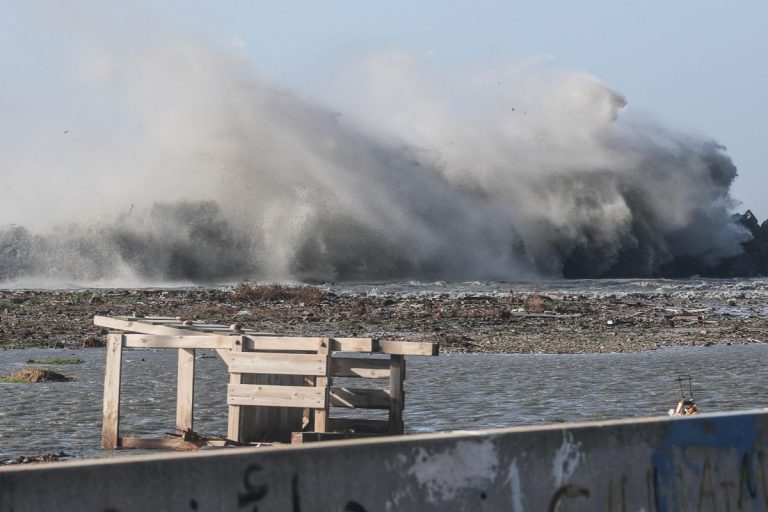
(704, 463)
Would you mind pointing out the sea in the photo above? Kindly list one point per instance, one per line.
(445, 393)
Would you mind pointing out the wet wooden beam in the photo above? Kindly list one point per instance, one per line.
(138, 326)
(176, 341)
(408, 348)
(185, 389)
(276, 364)
(322, 384)
(111, 406)
(313, 437)
(235, 414)
(396, 394)
(276, 396)
(306, 344)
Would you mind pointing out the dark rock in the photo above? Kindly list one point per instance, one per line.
(91, 341)
(749, 221)
(634, 261)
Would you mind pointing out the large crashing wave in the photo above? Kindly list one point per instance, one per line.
(509, 174)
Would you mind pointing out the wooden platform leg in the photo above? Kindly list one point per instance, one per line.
(185, 389)
(235, 416)
(321, 415)
(396, 393)
(111, 405)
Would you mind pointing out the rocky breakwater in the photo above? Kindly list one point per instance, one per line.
(754, 260)
(485, 323)
(751, 261)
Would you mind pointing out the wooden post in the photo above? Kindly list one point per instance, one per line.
(321, 415)
(234, 421)
(111, 406)
(185, 389)
(396, 393)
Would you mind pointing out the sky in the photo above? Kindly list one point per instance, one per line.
(700, 67)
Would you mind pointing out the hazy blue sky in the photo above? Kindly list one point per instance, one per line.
(700, 66)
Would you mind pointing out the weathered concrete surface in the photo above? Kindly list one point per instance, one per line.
(704, 463)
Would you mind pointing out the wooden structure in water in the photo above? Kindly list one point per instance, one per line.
(280, 387)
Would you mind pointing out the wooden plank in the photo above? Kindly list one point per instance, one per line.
(276, 364)
(313, 437)
(285, 343)
(200, 329)
(165, 326)
(208, 328)
(185, 389)
(175, 322)
(185, 341)
(359, 425)
(408, 348)
(306, 344)
(396, 394)
(360, 367)
(255, 340)
(234, 415)
(140, 327)
(204, 328)
(353, 344)
(111, 406)
(272, 424)
(171, 443)
(276, 396)
(220, 330)
(354, 398)
(322, 384)
(154, 321)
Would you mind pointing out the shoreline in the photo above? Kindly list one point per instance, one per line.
(527, 323)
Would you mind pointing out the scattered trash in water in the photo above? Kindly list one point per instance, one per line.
(34, 375)
(36, 459)
(687, 405)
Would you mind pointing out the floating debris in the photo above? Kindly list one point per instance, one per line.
(34, 375)
(687, 405)
(36, 459)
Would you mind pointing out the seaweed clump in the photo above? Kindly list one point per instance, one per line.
(247, 292)
(35, 375)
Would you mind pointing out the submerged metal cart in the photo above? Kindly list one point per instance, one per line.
(687, 405)
(280, 387)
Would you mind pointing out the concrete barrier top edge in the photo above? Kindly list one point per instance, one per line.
(413, 438)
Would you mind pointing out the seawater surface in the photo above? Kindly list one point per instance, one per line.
(449, 392)
(703, 289)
